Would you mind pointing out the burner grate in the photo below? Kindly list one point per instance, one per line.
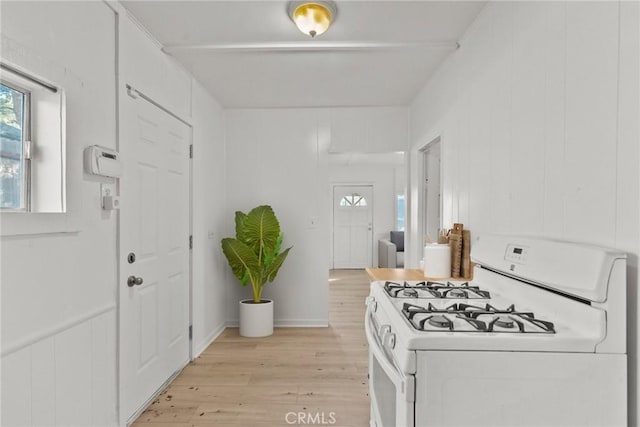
(435, 290)
(481, 319)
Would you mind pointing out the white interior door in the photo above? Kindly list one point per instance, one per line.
(154, 225)
(352, 226)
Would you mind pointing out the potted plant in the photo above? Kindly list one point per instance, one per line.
(255, 257)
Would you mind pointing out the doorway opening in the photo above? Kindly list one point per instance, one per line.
(431, 206)
(352, 226)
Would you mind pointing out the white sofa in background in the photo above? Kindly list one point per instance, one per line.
(391, 250)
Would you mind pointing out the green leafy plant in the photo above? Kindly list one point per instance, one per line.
(254, 255)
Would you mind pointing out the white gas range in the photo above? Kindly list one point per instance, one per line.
(538, 338)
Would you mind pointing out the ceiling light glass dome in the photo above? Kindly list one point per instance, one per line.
(312, 18)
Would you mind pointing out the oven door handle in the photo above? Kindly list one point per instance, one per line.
(405, 383)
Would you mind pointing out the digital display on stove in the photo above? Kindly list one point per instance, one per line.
(517, 251)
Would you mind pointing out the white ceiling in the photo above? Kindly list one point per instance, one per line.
(250, 54)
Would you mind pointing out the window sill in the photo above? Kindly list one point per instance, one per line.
(31, 223)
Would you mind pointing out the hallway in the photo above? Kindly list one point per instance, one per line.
(319, 374)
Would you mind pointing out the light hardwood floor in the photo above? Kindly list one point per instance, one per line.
(320, 373)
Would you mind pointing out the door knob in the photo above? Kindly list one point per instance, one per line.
(133, 280)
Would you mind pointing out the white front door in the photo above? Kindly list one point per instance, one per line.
(154, 228)
(352, 226)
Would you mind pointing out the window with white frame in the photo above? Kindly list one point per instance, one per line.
(32, 143)
(15, 176)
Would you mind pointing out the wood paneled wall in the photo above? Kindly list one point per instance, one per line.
(538, 116)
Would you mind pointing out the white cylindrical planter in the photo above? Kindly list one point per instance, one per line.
(256, 319)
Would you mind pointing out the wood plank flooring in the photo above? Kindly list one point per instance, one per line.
(319, 374)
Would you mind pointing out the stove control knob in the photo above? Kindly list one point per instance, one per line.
(384, 330)
(372, 303)
(390, 341)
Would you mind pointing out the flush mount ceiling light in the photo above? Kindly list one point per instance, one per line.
(312, 18)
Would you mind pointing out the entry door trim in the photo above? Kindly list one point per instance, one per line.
(422, 211)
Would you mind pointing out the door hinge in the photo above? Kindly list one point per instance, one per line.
(190, 332)
(191, 151)
(191, 242)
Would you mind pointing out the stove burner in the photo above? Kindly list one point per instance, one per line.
(410, 293)
(504, 322)
(435, 290)
(480, 319)
(439, 321)
(456, 293)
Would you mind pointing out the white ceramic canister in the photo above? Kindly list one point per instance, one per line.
(437, 261)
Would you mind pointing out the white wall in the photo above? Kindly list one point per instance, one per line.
(209, 219)
(538, 114)
(279, 157)
(59, 290)
(144, 66)
(368, 129)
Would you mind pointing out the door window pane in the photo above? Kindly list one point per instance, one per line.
(354, 200)
(12, 135)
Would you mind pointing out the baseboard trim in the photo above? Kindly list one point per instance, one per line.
(208, 340)
(290, 323)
